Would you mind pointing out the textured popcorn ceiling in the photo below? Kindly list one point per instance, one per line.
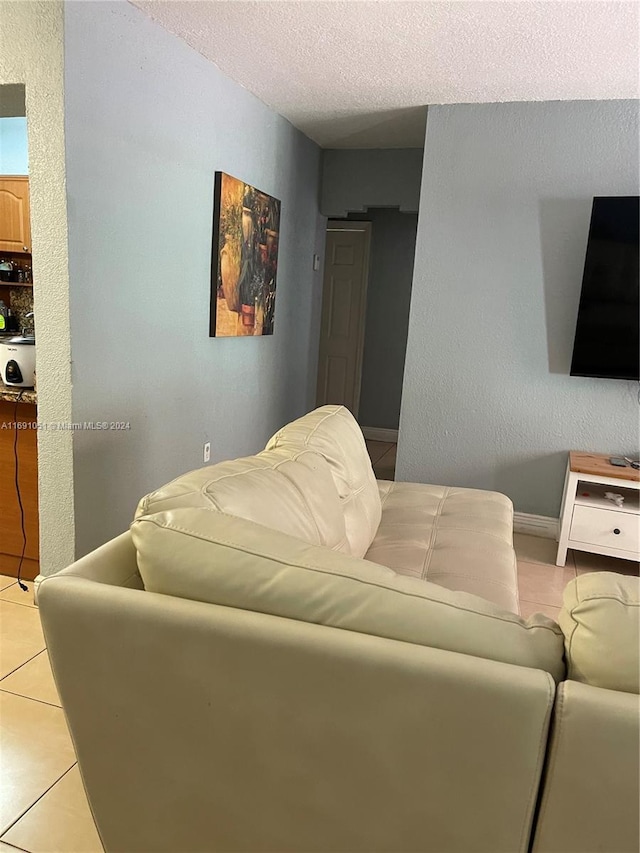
(358, 74)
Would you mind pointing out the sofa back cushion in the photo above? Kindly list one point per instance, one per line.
(333, 432)
(601, 622)
(208, 556)
(290, 491)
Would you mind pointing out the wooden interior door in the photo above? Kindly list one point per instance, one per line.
(344, 304)
(15, 217)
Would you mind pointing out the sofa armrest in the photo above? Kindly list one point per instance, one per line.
(114, 563)
(202, 727)
(591, 796)
(601, 623)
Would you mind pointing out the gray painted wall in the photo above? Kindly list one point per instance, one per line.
(503, 224)
(360, 178)
(148, 122)
(393, 242)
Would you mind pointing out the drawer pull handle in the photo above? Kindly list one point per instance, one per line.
(616, 530)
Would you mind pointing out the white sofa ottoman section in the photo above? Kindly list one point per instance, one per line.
(460, 539)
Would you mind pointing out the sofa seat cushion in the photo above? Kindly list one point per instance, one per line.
(461, 539)
(333, 432)
(289, 491)
(208, 556)
(601, 622)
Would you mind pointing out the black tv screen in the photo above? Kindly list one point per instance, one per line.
(607, 337)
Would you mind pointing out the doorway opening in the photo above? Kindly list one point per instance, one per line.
(368, 276)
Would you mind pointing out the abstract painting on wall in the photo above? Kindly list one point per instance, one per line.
(244, 259)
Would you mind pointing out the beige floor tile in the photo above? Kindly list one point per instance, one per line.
(385, 467)
(34, 680)
(61, 822)
(35, 751)
(17, 595)
(528, 608)
(6, 581)
(586, 562)
(542, 584)
(377, 449)
(535, 549)
(21, 636)
(7, 848)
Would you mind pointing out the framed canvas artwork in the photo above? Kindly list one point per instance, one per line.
(244, 259)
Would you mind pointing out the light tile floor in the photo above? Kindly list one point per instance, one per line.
(43, 808)
(383, 458)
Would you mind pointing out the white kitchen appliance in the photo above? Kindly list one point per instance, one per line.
(18, 361)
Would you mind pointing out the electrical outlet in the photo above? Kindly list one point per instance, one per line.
(207, 451)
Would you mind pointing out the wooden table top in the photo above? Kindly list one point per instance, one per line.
(598, 464)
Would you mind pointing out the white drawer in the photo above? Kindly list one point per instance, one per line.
(597, 527)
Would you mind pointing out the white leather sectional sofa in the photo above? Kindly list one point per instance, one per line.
(284, 655)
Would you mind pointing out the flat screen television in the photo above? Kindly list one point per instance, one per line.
(607, 341)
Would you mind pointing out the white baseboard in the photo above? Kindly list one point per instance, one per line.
(379, 434)
(535, 525)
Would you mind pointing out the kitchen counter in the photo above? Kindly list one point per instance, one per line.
(9, 394)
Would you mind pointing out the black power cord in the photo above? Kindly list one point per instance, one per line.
(21, 584)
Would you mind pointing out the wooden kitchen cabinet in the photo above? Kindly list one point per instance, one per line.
(10, 527)
(15, 221)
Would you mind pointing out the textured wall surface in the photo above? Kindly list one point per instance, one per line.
(393, 243)
(148, 122)
(504, 218)
(31, 52)
(355, 180)
(14, 159)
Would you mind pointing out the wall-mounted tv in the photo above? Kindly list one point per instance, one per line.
(607, 337)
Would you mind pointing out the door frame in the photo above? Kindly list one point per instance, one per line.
(360, 226)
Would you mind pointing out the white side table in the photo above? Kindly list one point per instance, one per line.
(591, 522)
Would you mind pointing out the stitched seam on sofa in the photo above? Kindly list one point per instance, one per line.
(479, 532)
(262, 467)
(537, 776)
(318, 425)
(148, 497)
(434, 529)
(465, 529)
(354, 493)
(299, 564)
(471, 578)
(553, 758)
(295, 454)
(612, 596)
(82, 576)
